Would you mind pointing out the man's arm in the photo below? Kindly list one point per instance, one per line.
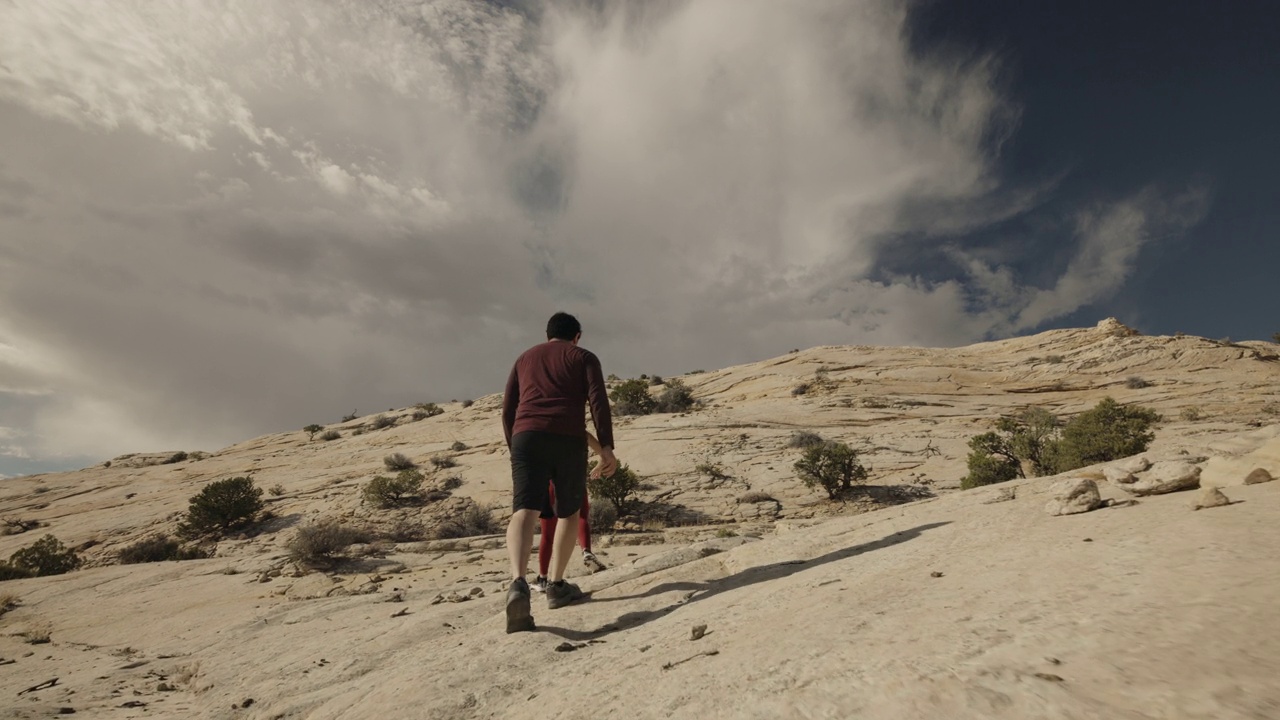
(598, 398)
(510, 401)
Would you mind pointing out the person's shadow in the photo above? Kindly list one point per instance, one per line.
(702, 590)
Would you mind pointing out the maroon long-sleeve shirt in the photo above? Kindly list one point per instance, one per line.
(549, 389)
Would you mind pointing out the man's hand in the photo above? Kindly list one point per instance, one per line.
(608, 463)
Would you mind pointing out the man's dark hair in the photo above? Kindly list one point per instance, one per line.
(563, 326)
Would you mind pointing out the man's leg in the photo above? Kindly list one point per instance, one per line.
(520, 541)
(566, 537)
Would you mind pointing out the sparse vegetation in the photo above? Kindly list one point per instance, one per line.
(676, 397)
(431, 409)
(8, 601)
(618, 488)
(46, 556)
(755, 496)
(220, 507)
(725, 532)
(387, 492)
(803, 439)
(1275, 338)
(322, 542)
(468, 403)
(350, 417)
(441, 462)
(382, 422)
(9, 572)
(631, 397)
(656, 380)
(396, 462)
(158, 549)
(311, 431)
(472, 521)
(276, 490)
(453, 482)
(832, 465)
(420, 415)
(177, 457)
(800, 389)
(331, 435)
(1191, 414)
(37, 636)
(603, 516)
(1054, 359)
(1136, 383)
(17, 526)
(711, 470)
(406, 530)
(458, 446)
(1035, 442)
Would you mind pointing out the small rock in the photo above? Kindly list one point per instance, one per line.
(697, 631)
(1113, 503)
(437, 599)
(1117, 476)
(1131, 465)
(1087, 540)
(935, 574)
(1165, 477)
(1211, 497)
(165, 687)
(248, 702)
(477, 592)
(66, 711)
(454, 597)
(566, 646)
(1072, 496)
(1257, 477)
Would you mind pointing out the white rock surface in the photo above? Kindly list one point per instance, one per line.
(1073, 496)
(1165, 477)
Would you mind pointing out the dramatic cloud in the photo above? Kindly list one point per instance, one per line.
(225, 218)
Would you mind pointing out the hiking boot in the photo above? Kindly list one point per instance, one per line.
(540, 585)
(563, 593)
(519, 615)
(591, 561)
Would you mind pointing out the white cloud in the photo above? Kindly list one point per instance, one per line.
(261, 215)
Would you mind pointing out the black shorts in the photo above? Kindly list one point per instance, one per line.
(539, 459)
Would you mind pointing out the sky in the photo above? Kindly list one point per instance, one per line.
(225, 218)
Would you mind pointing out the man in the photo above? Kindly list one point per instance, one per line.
(544, 420)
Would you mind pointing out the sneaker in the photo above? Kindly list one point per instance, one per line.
(519, 615)
(591, 561)
(540, 585)
(563, 593)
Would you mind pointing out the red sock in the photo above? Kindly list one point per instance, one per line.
(545, 543)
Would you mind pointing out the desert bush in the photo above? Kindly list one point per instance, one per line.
(1022, 440)
(331, 435)
(800, 389)
(350, 417)
(386, 492)
(453, 482)
(277, 490)
(832, 465)
(1108, 431)
(8, 601)
(616, 488)
(755, 496)
(711, 470)
(311, 430)
(602, 516)
(1136, 383)
(656, 380)
(473, 520)
(1276, 338)
(177, 457)
(431, 409)
(398, 461)
(804, 439)
(458, 446)
(46, 556)
(468, 403)
(1054, 359)
(9, 572)
(441, 462)
(420, 415)
(405, 530)
(17, 526)
(725, 532)
(1190, 414)
(221, 506)
(631, 397)
(382, 422)
(158, 549)
(321, 542)
(676, 397)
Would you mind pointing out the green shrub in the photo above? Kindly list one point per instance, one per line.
(805, 439)
(398, 461)
(322, 542)
(158, 549)
(473, 520)
(458, 446)
(441, 462)
(1108, 431)
(1136, 383)
(277, 490)
(9, 572)
(602, 516)
(221, 506)
(311, 430)
(46, 556)
(800, 389)
(177, 457)
(616, 488)
(832, 465)
(711, 470)
(1025, 439)
(404, 488)
(383, 422)
(676, 397)
(331, 435)
(468, 403)
(1191, 414)
(431, 409)
(656, 380)
(631, 397)
(986, 468)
